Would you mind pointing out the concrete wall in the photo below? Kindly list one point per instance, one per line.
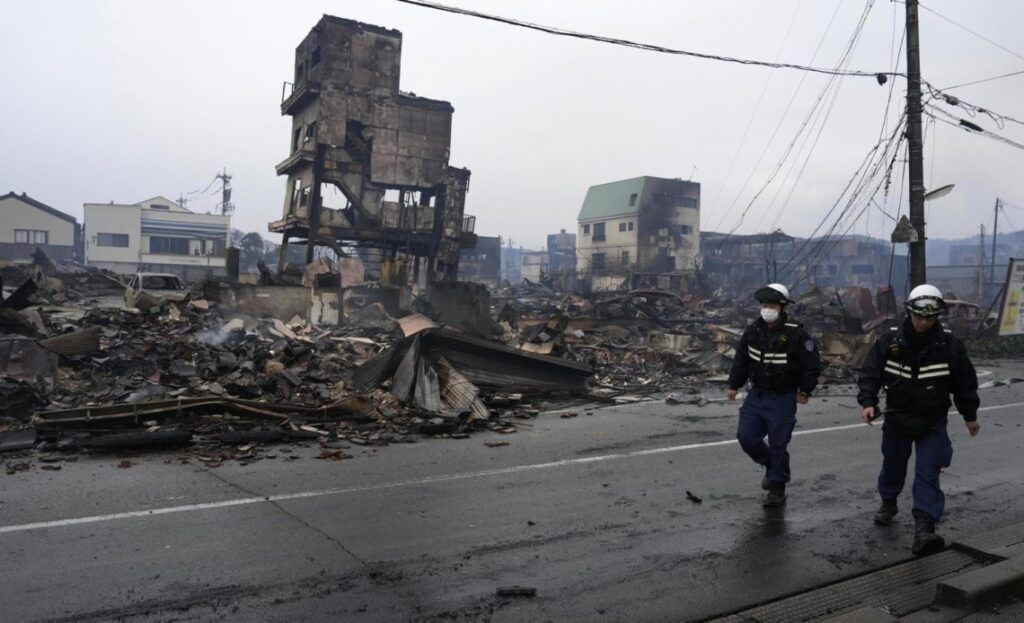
(615, 243)
(103, 218)
(17, 214)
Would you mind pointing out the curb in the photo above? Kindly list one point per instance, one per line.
(995, 580)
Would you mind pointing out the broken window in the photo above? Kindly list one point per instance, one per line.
(295, 138)
(304, 197)
(300, 73)
(296, 193)
(687, 202)
(597, 261)
(310, 133)
(168, 245)
(631, 226)
(598, 232)
(315, 57)
(622, 226)
(632, 200)
(112, 240)
(586, 229)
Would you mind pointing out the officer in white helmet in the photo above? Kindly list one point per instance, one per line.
(782, 363)
(920, 365)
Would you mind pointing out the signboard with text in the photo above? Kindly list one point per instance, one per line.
(1011, 312)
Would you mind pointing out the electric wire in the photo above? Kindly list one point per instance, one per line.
(983, 80)
(561, 32)
(778, 126)
(812, 114)
(866, 172)
(757, 106)
(895, 60)
(976, 34)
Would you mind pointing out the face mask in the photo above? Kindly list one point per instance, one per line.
(769, 315)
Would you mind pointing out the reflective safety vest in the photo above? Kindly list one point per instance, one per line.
(774, 366)
(917, 382)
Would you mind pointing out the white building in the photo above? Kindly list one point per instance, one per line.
(155, 235)
(27, 224)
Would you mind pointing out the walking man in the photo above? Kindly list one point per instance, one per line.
(782, 363)
(919, 363)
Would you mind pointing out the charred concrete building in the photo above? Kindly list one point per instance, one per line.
(379, 153)
(642, 232)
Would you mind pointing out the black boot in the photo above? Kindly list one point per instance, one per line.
(886, 512)
(765, 483)
(926, 542)
(776, 495)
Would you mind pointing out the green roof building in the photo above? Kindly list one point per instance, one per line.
(640, 225)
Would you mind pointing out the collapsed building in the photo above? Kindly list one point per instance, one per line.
(381, 153)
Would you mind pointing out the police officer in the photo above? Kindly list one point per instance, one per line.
(919, 364)
(782, 363)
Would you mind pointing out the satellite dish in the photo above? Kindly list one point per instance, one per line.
(941, 191)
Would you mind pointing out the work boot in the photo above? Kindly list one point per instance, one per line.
(776, 495)
(926, 542)
(886, 512)
(765, 483)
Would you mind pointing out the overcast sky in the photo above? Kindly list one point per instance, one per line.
(123, 100)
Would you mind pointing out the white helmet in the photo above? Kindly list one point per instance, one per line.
(925, 300)
(773, 293)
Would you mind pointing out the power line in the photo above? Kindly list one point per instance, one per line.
(551, 30)
(812, 114)
(978, 35)
(881, 134)
(968, 126)
(778, 126)
(866, 173)
(757, 107)
(971, 109)
(967, 84)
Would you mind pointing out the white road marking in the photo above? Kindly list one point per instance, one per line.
(60, 523)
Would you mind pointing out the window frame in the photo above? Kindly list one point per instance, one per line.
(111, 241)
(172, 248)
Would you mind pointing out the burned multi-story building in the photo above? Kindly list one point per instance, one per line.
(644, 231)
(381, 154)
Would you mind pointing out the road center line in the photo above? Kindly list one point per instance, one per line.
(60, 523)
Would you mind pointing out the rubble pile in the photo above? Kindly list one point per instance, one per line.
(230, 384)
(62, 282)
(196, 373)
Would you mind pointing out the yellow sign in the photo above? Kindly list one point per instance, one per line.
(1011, 313)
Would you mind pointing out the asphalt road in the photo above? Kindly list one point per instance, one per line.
(591, 511)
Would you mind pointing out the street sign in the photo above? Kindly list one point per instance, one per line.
(1011, 311)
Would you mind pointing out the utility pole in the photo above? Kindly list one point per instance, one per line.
(226, 207)
(981, 266)
(995, 232)
(916, 164)
(182, 201)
